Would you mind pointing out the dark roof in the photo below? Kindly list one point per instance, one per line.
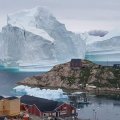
(116, 64)
(76, 60)
(44, 105)
(1, 97)
(11, 98)
(75, 63)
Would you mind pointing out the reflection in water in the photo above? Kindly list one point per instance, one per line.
(97, 108)
(100, 109)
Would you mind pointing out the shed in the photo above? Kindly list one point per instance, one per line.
(76, 63)
(44, 107)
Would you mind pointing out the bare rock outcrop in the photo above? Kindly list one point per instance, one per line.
(63, 76)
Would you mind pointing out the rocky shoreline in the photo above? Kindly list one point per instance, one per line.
(97, 91)
(90, 78)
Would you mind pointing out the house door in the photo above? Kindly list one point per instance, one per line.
(57, 114)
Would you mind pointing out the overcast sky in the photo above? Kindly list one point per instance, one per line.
(77, 15)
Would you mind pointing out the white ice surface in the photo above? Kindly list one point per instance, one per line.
(41, 93)
(34, 36)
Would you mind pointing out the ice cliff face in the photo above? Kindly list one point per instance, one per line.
(34, 37)
(40, 19)
(23, 46)
(105, 48)
(2, 52)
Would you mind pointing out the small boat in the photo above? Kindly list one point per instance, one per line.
(78, 98)
(83, 102)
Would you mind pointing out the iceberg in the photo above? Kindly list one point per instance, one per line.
(41, 93)
(36, 38)
(105, 49)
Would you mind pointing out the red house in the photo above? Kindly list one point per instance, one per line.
(43, 107)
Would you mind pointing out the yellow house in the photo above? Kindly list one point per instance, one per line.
(10, 106)
(1, 105)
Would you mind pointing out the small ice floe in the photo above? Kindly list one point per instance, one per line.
(41, 93)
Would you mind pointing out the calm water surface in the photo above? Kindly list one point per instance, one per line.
(100, 109)
(9, 79)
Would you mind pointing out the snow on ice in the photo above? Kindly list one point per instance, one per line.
(42, 93)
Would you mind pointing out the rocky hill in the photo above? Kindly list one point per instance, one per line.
(63, 76)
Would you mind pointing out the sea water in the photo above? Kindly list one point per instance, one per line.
(9, 78)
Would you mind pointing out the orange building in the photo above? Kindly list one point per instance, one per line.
(9, 106)
(1, 106)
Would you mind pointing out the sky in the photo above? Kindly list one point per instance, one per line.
(77, 15)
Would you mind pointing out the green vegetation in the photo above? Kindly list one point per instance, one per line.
(70, 80)
(111, 82)
(100, 77)
(84, 75)
(115, 82)
(93, 74)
